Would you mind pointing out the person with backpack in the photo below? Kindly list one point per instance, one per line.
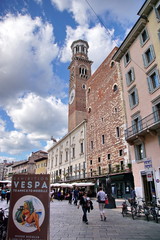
(101, 197)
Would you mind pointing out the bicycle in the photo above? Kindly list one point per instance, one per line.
(140, 209)
(126, 210)
(3, 223)
(154, 210)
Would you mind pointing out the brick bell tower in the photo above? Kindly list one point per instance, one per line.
(80, 72)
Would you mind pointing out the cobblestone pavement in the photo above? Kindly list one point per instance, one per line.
(66, 224)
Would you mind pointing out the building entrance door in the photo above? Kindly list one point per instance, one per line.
(149, 188)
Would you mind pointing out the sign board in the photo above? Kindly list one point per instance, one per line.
(29, 207)
(149, 176)
(148, 164)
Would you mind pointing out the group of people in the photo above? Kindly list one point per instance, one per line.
(87, 205)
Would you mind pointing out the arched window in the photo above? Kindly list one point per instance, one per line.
(115, 88)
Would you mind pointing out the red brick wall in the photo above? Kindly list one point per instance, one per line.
(103, 120)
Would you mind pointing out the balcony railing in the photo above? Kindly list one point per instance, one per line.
(151, 122)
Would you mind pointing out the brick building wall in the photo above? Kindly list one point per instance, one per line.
(105, 119)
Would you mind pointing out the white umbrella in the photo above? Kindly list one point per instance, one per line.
(55, 185)
(5, 181)
(67, 185)
(84, 184)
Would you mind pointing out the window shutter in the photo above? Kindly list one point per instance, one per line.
(136, 95)
(144, 152)
(152, 52)
(144, 60)
(130, 101)
(133, 74)
(127, 79)
(136, 152)
(139, 123)
(141, 41)
(149, 84)
(158, 76)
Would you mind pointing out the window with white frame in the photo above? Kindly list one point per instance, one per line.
(157, 11)
(148, 56)
(153, 80)
(133, 97)
(139, 151)
(130, 76)
(127, 59)
(144, 36)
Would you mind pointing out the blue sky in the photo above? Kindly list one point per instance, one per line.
(35, 40)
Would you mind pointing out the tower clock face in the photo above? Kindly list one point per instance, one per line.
(71, 96)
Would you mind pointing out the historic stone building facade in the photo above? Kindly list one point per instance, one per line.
(107, 150)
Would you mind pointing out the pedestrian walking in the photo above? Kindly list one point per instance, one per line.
(8, 193)
(101, 197)
(76, 194)
(86, 204)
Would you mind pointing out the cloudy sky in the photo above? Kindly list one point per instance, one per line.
(35, 40)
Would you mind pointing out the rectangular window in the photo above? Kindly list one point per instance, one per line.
(130, 76)
(56, 161)
(109, 167)
(148, 56)
(153, 80)
(99, 159)
(91, 172)
(122, 166)
(133, 97)
(99, 170)
(127, 59)
(90, 162)
(81, 147)
(120, 152)
(117, 132)
(139, 151)
(109, 156)
(102, 139)
(60, 160)
(144, 37)
(66, 156)
(73, 152)
(91, 144)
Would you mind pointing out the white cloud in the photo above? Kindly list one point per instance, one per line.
(122, 11)
(39, 117)
(35, 119)
(27, 49)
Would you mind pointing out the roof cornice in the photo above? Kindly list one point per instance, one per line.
(132, 35)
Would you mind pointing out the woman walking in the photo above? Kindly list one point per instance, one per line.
(86, 204)
(101, 197)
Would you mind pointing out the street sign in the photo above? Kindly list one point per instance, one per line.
(148, 164)
(29, 207)
(149, 176)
